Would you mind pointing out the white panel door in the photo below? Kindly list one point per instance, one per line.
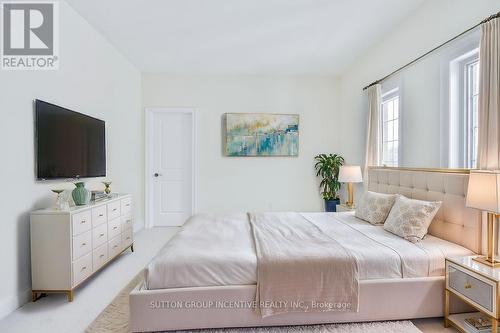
(171, 167)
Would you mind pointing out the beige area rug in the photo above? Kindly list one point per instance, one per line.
(114, 319)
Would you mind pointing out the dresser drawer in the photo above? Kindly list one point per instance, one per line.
(99, 216)
(99, 235)
(127, 238)
(82, 268)
(114, 246)
(99, 257)
(475, 288)
(113, 210)
(82, 244)
(126, 223)
(81, 222)
(114, 228)
(126, 206)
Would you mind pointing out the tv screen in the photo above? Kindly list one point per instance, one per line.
(68, 144)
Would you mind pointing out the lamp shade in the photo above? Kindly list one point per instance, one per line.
(350, 174)
(483, 190)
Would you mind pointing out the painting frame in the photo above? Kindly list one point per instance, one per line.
(275, 134)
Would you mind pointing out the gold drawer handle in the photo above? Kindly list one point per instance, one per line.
(114, 247)
(83, 244)
(101, 215)
(100, 235)
(128, 205)
(115, 228)
(84, 268)
(468, 286)
(83, 222)
(128, 237)
(101, 256)
(115, 209)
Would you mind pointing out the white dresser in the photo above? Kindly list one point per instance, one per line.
(69, 246)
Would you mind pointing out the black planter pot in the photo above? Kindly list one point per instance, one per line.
(331, 205)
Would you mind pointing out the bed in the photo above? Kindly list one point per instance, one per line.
(195, 282)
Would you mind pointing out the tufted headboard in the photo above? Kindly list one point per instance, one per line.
(453, 222)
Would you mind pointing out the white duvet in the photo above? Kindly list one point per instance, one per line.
(217, 250)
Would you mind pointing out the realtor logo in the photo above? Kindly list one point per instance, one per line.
(30, 35)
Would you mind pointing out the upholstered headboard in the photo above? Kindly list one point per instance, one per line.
(453, 222)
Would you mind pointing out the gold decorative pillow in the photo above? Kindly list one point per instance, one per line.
(411, 218)
(374, 207)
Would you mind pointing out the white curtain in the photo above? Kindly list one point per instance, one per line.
(489, 96)
(372, 156)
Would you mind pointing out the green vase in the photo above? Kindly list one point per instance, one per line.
(81, 196)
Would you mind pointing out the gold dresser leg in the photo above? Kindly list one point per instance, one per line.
(494, 325)
(446, 307)
(34, 296)
(70, 296)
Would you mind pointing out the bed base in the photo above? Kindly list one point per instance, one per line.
(187, 308)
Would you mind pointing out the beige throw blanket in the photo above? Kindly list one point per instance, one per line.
(300, 268)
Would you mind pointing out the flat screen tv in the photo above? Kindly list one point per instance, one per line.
(68, 144)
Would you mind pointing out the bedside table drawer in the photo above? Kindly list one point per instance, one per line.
(476, 289)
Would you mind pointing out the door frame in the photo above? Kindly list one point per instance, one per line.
(148, 133)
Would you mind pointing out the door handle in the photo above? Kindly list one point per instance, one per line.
(156, 174)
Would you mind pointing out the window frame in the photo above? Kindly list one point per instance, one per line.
(394, 92)
(470, 161)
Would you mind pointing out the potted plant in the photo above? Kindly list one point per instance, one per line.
(327, 167)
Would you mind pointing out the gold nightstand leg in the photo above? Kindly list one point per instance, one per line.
(494, 325)
(70, 295)
(446, 307)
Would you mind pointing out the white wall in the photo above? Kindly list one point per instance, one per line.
(93, 78)
(433, 23)
(262, 183)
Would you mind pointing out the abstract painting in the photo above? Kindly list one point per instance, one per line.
(261, 134)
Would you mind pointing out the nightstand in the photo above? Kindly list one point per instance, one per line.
(345, 208)
(477, 285)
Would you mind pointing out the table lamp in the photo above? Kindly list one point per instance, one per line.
(484, 193)
(350, 174)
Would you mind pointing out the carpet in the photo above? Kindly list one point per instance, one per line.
(114, 319)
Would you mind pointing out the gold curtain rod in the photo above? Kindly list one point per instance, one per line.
(494, 16)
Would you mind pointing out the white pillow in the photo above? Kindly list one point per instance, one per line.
(411, 218)
(374, 207)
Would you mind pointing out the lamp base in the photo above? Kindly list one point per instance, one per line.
(487, 261)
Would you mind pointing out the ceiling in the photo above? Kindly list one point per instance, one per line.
(244, 36)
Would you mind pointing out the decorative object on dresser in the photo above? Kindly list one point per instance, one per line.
(107, 184)
(327, 167)
(350, 174)
(69, 246)
(478, 286)
(61, 200)
(81, 196)
(98, 196)
(483, 193)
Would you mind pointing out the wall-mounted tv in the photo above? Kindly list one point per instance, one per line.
(68, 144)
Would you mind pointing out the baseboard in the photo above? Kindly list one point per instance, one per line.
(10, 304)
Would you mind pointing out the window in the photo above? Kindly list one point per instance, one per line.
(462, 129)
(390, 128)
(471, 85)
